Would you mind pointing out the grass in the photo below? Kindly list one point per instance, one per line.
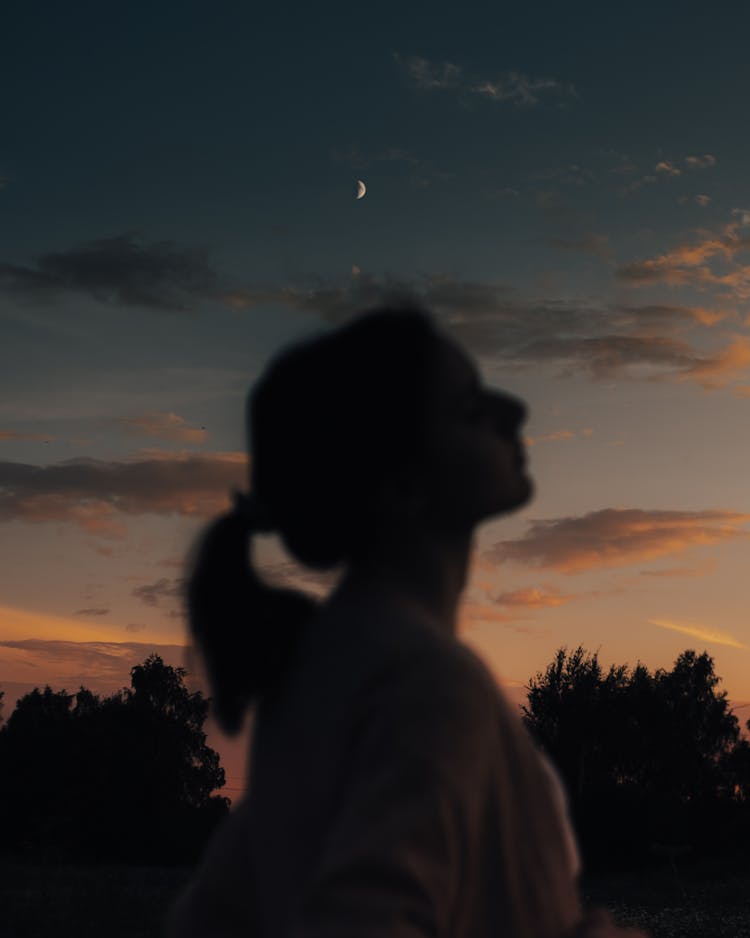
(85, 902)
(42, 901)
(706, 900)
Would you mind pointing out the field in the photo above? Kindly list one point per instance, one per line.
(130, 902)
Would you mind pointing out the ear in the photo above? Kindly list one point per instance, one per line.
(403, 495)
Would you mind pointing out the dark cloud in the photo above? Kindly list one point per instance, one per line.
(490, 319)
(160, 275)
(165, 426)
(91, 612)
(594, 244)
(153, 594)
(515, 87)
(91, 493)
(616, 537)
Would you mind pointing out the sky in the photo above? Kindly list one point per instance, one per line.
(564, 186)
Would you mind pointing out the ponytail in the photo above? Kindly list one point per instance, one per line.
(327, 422)
(243, 628)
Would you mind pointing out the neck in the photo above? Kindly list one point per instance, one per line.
(424, 571)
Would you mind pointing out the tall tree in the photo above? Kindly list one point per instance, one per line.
(656, 755)
(129, 777)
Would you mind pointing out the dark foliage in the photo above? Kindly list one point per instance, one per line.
(654, 763)
(128, 778)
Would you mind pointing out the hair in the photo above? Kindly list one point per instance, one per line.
(331, 419)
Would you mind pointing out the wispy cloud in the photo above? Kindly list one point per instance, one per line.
(557, 436)
(16, 435)
(66, 665)
(164, 589)
(95, 494)
(122, 270)
(534, 598)
(594, 244)
(701, 632)
(700, 162)
(643, 342)
(693, 263)
(166, 426)
(709, 565)
(614, 537)
(91, 611)
(512, 86)
(667, 169)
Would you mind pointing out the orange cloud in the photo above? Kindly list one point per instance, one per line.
(698, 631)
(101, 666)
(696, 570)
(20, 624)
(474, 612)
(714, 371)
(533, 598)
(166, 426)
(616, 537)
(687, 263)
(556, 435)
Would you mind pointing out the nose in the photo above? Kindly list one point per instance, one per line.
(509, 413)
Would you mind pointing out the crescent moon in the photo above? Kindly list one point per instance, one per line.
(361, 189)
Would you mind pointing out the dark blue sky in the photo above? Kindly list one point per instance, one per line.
(220, 126)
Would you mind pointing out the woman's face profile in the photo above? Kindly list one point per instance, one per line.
(476, 458)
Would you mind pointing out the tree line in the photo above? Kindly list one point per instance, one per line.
(127, 778)
(654, 764)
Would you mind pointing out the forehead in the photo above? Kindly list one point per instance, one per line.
(456, 372)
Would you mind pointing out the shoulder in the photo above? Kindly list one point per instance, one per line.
(435, 705)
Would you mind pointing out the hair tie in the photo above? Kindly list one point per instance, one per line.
(252, 511)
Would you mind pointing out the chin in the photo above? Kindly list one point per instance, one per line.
(524, 492)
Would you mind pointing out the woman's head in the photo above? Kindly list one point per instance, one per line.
(355, 436)
(344, 428)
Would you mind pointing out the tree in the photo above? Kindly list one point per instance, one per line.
(129, 777)
(657, 755)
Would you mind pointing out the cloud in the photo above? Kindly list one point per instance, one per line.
(614, 537)
(135, 627)
(637, 184)
(489, 319)
(91, 612)
(702, 200)
(160, 276)
(708, 566)
(533, 598)
(94, 494)
(690, 263)
(153, 594)
(667, 169)
(514, 86)
(700, 162)
(19, 435)
(480, 612)
(101, 666)
(167, 426)
(594, 244)
(699, 631)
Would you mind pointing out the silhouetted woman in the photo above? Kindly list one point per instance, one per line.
(393, 791)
